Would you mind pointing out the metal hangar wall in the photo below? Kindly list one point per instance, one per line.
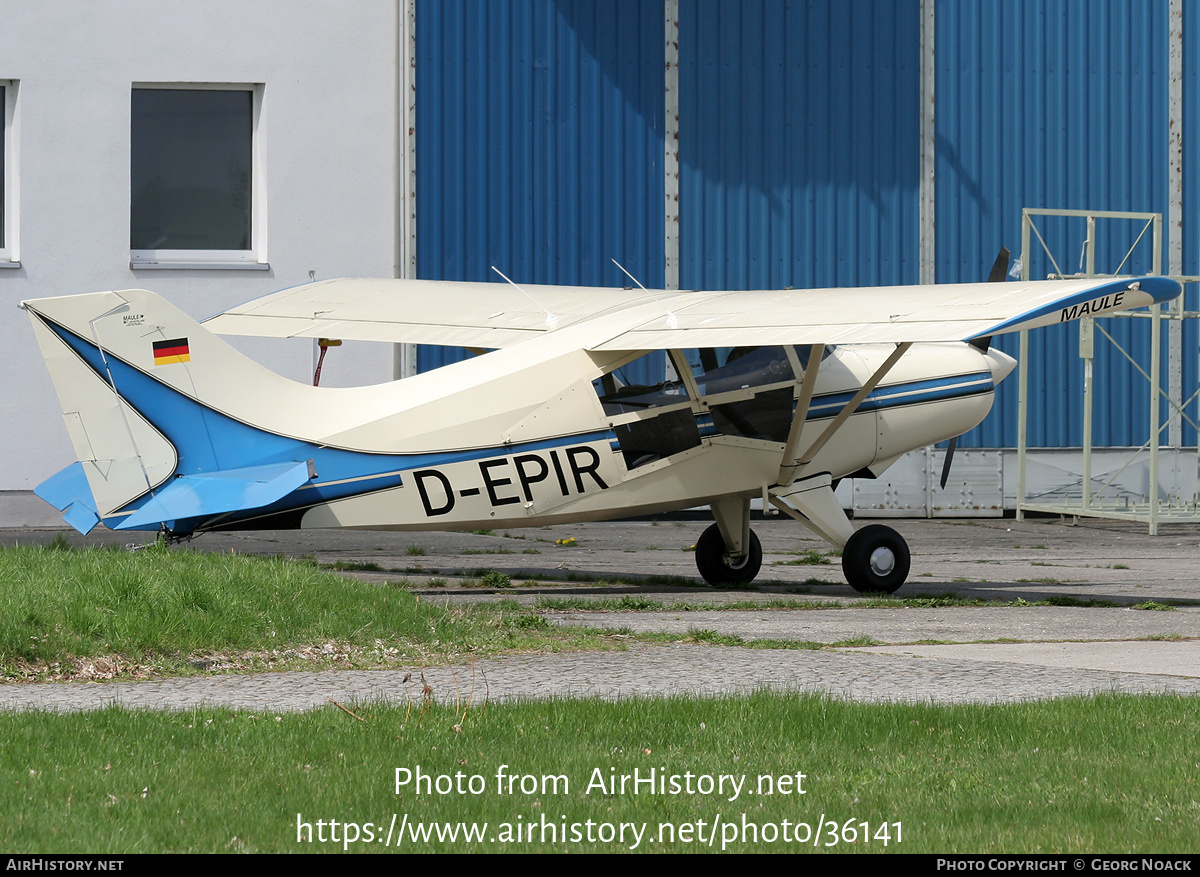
(539, 142)
(807, 134)
(1056, 104)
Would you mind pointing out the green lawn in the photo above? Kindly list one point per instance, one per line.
(159, 612)
(1106, 774)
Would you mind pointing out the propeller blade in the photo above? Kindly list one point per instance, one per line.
(949, 459)
(998, 273)
(981, 344)
(1000, 266)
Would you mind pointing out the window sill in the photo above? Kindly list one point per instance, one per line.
(174, 265)
(9, 263)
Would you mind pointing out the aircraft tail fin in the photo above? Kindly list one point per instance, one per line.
(160, 440)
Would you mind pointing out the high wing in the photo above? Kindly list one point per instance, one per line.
(495, 315)
(419, 311)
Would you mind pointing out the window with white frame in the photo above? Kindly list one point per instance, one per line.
(194, 180)
(8, 188)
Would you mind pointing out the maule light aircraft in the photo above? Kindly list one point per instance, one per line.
(771, 394)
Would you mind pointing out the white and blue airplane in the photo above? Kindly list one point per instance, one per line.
(773, 394)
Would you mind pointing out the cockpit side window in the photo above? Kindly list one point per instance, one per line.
(750, 390)
(742, 367)
(621, 391)
(651, 419)
(722, 369)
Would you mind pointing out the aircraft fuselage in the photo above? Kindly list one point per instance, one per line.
(584, 468)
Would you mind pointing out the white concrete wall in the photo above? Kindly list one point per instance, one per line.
(328, 76)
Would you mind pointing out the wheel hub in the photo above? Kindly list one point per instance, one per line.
(883, 561)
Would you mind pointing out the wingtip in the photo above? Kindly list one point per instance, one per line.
(1162, 289)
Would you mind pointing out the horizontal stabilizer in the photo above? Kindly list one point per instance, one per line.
(214, 493)
(68, 491)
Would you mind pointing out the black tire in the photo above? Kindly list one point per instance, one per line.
(713, 564)
(870, 572)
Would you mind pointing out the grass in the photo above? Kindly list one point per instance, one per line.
(496, 579)
(628, 603)
(944, 779)
(709, 637)
(97, 613)
(808, 557)
(857, 641)
(354, 566)
(1154, 606)
(713, 637)
(1063, 600)
(567, 575)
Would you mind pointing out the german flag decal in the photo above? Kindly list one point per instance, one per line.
(175, 350)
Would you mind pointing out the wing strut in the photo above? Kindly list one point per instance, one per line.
(795, 470)
(789, 463)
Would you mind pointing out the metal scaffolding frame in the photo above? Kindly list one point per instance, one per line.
(1151, 508)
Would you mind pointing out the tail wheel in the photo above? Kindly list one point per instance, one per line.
(876, 559)
(718, 568)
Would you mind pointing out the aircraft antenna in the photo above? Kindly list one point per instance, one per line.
(551, 319)
(672, 320)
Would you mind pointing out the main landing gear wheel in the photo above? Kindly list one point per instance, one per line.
(875, 560)
(718, 568)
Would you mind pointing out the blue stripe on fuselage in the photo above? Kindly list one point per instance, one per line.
(885, 398)
(900, 395)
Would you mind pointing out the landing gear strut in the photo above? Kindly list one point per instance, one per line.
(875, 559)
(716, 565)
